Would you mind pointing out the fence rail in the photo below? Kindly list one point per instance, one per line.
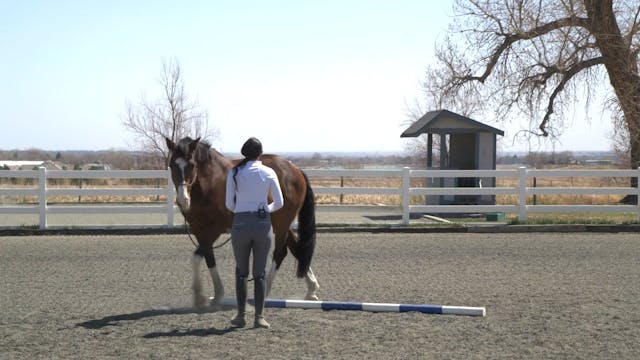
(43, 193)
(405, 191)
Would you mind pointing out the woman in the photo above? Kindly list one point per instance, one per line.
(248, 186)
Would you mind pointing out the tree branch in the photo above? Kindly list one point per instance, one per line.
(510, 39)
(566, 76)
(633, 29)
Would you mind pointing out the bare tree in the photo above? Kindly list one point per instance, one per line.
(620, 142)
(417, 146)
(536, 58)
(173, 114)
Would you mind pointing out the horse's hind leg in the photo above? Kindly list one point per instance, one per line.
(279, 253)
(309, 277)
(271, 275)
(312, 285)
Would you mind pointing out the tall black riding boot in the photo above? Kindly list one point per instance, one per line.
(260, 288)
(241, 296)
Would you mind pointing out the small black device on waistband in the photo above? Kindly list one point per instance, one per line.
(262, 212)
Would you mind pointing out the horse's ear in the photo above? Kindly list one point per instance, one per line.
(170, 144)
(193, 145)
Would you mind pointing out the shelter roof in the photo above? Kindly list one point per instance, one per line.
(445, 121)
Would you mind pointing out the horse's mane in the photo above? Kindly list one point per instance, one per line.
(203, 151)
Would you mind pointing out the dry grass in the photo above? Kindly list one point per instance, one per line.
(84, 199)
(573, 182)
(357, 199)
(578, 218)
(500, 182)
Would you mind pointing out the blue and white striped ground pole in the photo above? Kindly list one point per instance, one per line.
(363, 306)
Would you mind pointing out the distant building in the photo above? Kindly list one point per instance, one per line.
(28, 165)
(49, 165)
(97, 166)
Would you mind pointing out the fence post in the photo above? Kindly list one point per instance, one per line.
(638, 196)
(42, 196)
(406, 182)
(522, 193)
(535, 184)
(170, 199)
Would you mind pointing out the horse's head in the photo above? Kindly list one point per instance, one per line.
(184, 169)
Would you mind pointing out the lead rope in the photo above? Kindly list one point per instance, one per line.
(186, 229)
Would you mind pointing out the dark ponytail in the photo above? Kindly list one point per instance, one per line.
(235, 170)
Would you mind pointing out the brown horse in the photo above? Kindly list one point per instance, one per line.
(199, 174)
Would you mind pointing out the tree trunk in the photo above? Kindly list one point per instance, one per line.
(622, 67)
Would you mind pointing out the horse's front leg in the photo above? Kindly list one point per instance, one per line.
(218, 288)
(199, 300)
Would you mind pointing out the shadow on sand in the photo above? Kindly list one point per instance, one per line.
(115, 320)
(192, 332)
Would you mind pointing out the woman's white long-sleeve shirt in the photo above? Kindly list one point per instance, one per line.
(254, 183)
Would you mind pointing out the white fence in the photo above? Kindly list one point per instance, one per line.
(43, 193)
(521, 191)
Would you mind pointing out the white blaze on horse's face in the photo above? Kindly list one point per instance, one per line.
(183, 199)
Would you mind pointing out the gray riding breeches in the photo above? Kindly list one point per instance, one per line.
(251, 233)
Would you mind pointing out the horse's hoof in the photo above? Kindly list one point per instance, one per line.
(313, 297)
(215, 301)
(199, 302)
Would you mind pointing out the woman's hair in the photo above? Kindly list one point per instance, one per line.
(251, 150)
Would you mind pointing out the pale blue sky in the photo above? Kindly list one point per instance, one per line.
(299, 75)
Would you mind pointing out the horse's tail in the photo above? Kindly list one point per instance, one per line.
(306, 231)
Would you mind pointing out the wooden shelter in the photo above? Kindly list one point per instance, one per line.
(464, 144)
